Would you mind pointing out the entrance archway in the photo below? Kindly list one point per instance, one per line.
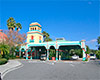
(22, 52)
(36, 51)
(52, 53)
(67, 51)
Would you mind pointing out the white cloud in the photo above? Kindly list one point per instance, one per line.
(91, 41)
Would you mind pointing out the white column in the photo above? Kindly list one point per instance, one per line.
(56, 54)
(26, 54)
(84, 54)
(47, 54)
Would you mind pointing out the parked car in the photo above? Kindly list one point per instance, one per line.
(75, 57)
(92, 56)
(43, 57)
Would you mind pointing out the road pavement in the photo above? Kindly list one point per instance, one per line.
(8, 66)
(41, 70)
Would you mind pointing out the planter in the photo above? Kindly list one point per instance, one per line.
(53, 58)
(29, 57)
(17, 56)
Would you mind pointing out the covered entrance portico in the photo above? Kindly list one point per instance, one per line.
(36, 51)
(57, 44)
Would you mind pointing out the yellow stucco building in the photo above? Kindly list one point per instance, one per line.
(35, 46)
(34, 35)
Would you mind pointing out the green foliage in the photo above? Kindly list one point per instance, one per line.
(79, 52)
(93, 51)
(5, 49)
(98, 40)
(0, 56)
(47, 39)
(98, 54)
(86, 59)
(11, 23)
(11, 56)
(52, 53)
(88, 50)
(65, 56)
(98, 47)
(12, 49)
(71, 52)
(76, 51)
(3, 61)
(46, 36)
(18, 25)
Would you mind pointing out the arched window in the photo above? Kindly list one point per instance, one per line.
(35, 28)
(32, 37)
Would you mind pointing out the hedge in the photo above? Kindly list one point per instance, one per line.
(3, 61)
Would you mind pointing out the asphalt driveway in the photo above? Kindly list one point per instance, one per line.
(38, 70)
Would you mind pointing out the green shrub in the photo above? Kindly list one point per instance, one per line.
(86, 59)
(3, 61)
(0, 56)
(98, 54)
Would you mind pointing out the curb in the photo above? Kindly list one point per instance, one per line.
(10, 69)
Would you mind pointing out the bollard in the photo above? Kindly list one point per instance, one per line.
(0, 76)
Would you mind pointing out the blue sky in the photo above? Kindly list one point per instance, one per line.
(72, 19)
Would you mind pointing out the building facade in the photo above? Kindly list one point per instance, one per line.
(35, 41)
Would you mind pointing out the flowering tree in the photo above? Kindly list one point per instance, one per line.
(14, 39)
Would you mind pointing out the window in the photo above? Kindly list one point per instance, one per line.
(35, 28)
(32, 37)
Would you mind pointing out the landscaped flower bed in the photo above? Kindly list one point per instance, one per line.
(3, 61)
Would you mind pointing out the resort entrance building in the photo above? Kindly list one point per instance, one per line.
(35, 46)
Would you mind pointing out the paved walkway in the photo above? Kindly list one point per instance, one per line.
(11, 64)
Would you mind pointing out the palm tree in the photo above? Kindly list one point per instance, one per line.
(98, 40)
(4, 49)
(47, 39)
(46, 36)
(11, 23)
(18, 25)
